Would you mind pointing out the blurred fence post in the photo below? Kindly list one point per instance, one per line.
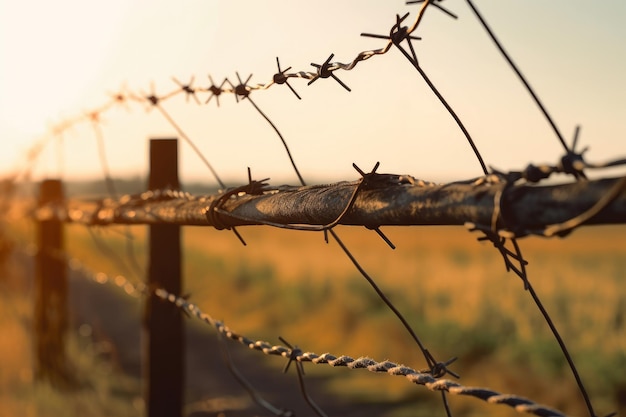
(51, 310)
(163, 326)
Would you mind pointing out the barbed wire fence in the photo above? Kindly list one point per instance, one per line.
(501, 206)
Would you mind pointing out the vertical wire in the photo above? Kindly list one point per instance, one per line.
(369, 279)
(448, 108)
(190, 143)
(555, 332)
(293, 163)
(518, 73)
(110, 184)
(529, 287)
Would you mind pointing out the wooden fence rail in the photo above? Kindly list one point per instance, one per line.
(386, 200)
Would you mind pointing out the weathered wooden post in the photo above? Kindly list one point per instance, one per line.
(163, 326)
(51, 315)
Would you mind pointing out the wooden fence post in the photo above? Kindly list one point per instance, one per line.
(51, 310)
(163, 326)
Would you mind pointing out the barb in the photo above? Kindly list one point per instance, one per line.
(242, 89)
(571, 163)
(255, 188)
(432, 363)
(281, 78)
(499, 243)
(215, 90)
(366, 178)
(188, 89)
(391, 200)
(520, 404)
(155, 102)
(435, 3)
(425, 379)
(256, 397)
(324, 70)
(252, 188)
(293, 356)
(437, 369)
(399, 34)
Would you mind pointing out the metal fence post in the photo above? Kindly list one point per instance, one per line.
(163, 326)
(51, 310)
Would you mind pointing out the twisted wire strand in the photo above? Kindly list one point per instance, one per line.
(124, 95)
(519, 403)
(426, 379)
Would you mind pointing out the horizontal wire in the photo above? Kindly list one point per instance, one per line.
(137, 290)
(124, 95)
(391, 200)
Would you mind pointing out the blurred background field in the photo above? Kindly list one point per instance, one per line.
(453, 290)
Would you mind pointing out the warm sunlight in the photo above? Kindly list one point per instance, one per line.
(57, 49)
(62, 59)
(199, 199)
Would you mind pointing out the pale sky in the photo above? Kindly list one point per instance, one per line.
(62, 59)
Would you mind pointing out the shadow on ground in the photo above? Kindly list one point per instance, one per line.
(211, 389)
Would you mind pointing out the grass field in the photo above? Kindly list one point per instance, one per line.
(453, 290)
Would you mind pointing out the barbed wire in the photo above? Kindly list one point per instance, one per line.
(382, 199)
(239, 89)
(572, 163)
(432, 381)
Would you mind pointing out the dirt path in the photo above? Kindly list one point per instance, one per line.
(211, 388)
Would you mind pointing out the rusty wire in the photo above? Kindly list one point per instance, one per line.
(327, 69)
(419, 377)
(390, 199)
(572, 163)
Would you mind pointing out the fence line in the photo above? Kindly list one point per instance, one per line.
(424, 378)
(146, 208)
(242, 88)
(500, 205)
(377, 200)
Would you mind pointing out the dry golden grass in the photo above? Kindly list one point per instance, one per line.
(454, 291)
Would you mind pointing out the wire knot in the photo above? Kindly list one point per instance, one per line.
(325, 70)
(212, 214)
(572, 163)
(281, 78)
(242, 89)
(215, 90)
(294, 353)
(399, 33)
(534, 173)
(440, 369)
